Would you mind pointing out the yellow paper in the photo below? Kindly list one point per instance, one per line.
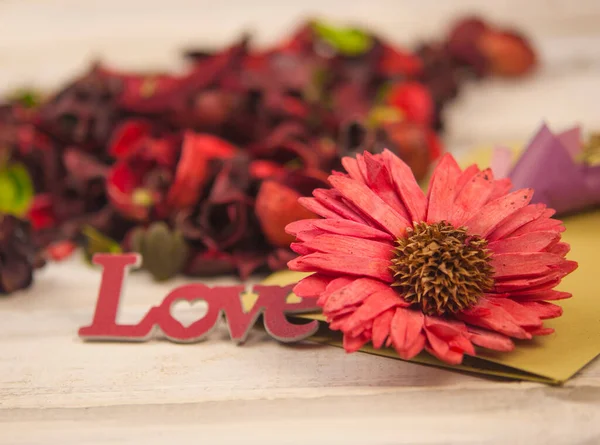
(549, 359)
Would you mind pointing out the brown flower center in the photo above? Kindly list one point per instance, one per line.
(441, 268)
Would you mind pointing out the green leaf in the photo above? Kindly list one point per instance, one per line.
(28, 98)
(96, 242)
(346, 41)
(16, 190)
(164, 252)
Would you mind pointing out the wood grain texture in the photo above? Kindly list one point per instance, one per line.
(56, 389)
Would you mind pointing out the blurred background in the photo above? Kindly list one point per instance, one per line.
(46, 42)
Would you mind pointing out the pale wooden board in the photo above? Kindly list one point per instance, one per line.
(56, 389)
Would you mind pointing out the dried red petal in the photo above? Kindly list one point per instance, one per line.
(507, 54)
(61, 250)
(462, 43)
(277, 206)
(192, 169)
(395, 62)
(127, 137)
(40, 213)
(415, 101)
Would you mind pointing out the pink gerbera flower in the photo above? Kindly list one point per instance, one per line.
(469, 264)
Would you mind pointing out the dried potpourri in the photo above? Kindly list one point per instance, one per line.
(207, 166)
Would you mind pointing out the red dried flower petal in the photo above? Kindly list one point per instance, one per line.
(528, 242)
(312, 286)
(522, 264)
(192, 169)
(543, 309)
(415, 101)
(346, 264)
(348, 246)
(496, 212)
(381, 327)
(540, 295)
(333, 200)
(406, 332)
(126, 137)
(507, 54)
(394, 62)
(352, 294)
(472, 197)
(370, 205)
(490, 340)
(40, 213)
(442, 190)
(276, 207)
(406, 186)
(377, 178)
(338, 226)
(60, 250)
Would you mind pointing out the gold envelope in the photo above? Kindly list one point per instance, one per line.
(550, 359)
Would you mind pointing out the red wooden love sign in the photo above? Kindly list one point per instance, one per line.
(272, 304)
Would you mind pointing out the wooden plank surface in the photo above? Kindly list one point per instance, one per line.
(56, 389)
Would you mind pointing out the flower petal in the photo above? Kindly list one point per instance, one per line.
(544, 295)
(353, 293)
(307, 235)
(362, 168)
(312, 286)
(333, 286)
(466, 176)
(497, 320)
(546, 224)
(331, 199)
(501, 188)
(381, 327)
(442, 190)
(336, 323)
(316, 207)
(351, 228)
(541, 331)
(453, 332)
(347, 245)
(371, 307)
(351, 166)
(416, 347)
(346, 264)
(378, 179)
(317, 227)
(303, 225)
(406, 186)
(516, 220)
(524, 264)
(472, 197)
(522, 315)
(353, 344)
(530, 284)
(406, 332)
(440, 349)
(301, 248)
(490, 340)
(543, 310)
(192, 168)
(560, 249)
(370, 205)
(528, 242)
(493, 213)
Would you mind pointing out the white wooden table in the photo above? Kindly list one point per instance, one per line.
(56, 389)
